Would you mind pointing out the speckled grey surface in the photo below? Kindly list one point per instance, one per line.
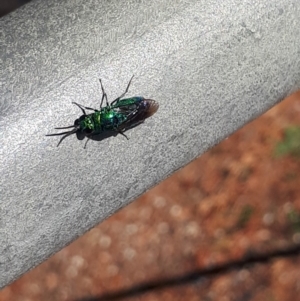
(211, 65)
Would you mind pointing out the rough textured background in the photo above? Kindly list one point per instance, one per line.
(212, 67)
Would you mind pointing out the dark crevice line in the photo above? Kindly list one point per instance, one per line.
(195, 275)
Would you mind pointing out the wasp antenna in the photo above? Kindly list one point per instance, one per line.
(59, 134)
(66, 134)
(66, 127)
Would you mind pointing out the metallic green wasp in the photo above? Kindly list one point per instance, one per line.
(117, 117)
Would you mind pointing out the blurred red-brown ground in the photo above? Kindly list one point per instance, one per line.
(233, 200)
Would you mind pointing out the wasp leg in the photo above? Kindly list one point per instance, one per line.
(88, 139)
(118, 99)
(104, 95)
(120, 132)
(83, 107)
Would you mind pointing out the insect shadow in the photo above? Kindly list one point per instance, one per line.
(106, 134)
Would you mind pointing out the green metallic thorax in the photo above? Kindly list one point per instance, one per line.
(91, 122)
(102, 120)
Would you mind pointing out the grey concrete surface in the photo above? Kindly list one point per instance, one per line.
(212, 66)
